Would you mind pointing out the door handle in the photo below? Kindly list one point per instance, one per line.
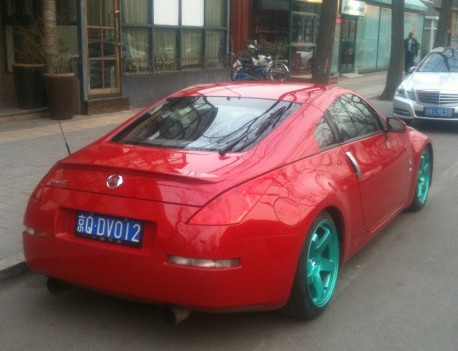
(355, 165)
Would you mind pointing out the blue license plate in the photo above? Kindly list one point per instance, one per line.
(438, 112)
(110, 229)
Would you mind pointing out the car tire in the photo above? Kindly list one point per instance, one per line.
(317, 270)
(423, 183)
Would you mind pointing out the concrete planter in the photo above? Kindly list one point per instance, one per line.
(30, 86)
(60, 91)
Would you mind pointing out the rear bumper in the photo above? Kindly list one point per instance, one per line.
(262, 281)
(267, 252)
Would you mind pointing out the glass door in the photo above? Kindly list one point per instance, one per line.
(103, 49)
(303, 29)
(347, 44)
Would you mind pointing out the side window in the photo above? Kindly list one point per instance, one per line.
(324, 134)
(353, 117)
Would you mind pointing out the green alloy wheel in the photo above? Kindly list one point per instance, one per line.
(317, 271)
(423, 181)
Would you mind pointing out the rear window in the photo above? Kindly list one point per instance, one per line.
(223, 124)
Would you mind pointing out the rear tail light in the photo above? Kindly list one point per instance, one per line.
(34, 232)
(36, 194)
(232, 206)
(204, 262)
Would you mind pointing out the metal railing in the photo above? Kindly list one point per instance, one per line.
(146, 68)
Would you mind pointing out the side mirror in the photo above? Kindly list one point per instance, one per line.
(395, 125)
(411, 69)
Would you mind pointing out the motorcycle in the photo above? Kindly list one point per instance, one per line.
(250, 66)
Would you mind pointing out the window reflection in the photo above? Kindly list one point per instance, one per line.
(324, 135)
(353, 117)
(208, 123)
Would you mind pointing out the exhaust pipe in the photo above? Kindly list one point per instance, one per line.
(56, 286)
(175, 314)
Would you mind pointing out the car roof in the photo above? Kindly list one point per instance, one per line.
(294, 92)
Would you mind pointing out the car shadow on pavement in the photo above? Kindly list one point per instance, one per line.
(436, 126)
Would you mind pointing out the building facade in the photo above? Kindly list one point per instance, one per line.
(430, 27)
(127, 52)
(124, 52)
(453, 38)
(363, 31)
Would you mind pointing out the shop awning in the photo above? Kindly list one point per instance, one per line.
(415, 5)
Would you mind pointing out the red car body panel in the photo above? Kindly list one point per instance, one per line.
(165, 188)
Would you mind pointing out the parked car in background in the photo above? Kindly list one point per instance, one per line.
(225, 197)
(430, 92)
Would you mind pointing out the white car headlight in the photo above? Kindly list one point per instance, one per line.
(400, 91)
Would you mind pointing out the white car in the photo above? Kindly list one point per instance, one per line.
(430, 92)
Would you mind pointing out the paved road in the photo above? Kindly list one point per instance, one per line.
(28, 148)
(399, 293)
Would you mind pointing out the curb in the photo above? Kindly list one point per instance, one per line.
(23, 115)
(12, 267)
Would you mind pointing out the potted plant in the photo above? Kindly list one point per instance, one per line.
(43, 66)
(59, 80)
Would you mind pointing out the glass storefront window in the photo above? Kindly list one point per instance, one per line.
(348, 43)
(135, 12)
(191, 48)
(93, 13)
(368, 27)
(192, 13)
(166, 12)
(215, 44)
(384, 45)
(414, 23)
(374, 36)
(135, 49)
(454, 32)
(165, 47)
(427, 42)
(303, 28)
(135, 43)
(216, 13)
(169, 35)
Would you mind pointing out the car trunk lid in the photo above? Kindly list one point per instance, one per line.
(164, 175)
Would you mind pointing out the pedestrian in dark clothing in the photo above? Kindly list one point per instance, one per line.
(410, 51)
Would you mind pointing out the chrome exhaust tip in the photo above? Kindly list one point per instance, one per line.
(175, 314)
(56, 286)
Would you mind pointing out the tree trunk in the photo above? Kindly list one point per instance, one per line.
(443, 26)
(322, 60)
(395, 68)
(50, 34)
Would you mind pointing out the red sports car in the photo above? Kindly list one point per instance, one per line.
(228, 197)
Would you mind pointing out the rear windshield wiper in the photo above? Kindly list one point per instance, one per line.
(271, 121)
